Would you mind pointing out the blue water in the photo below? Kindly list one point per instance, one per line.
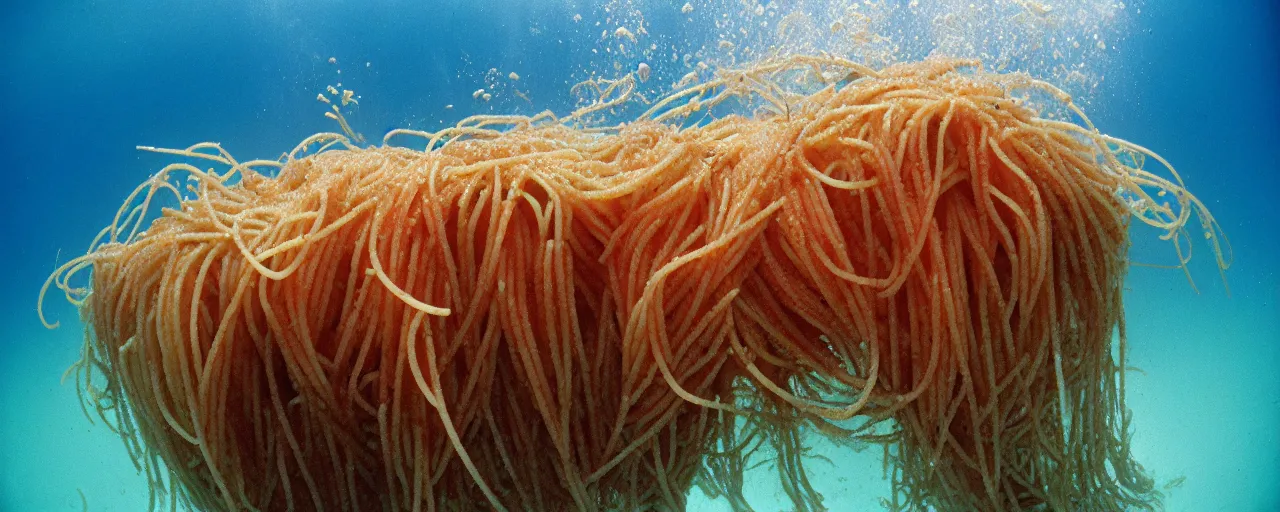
(82, 83)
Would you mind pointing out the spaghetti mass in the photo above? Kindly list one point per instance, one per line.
(538, 314)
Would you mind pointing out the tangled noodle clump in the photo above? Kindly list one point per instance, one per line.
(532, 314)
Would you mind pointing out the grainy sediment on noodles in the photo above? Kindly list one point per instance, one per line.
(551, 318)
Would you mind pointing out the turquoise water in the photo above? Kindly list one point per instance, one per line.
(82, 84)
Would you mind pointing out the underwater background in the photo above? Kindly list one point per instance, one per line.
(83, 83)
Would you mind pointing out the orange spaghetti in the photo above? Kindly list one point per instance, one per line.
(546, 317)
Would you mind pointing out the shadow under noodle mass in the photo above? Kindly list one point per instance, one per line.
(541, 313)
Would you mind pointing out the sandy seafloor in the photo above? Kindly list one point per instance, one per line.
(82, 83)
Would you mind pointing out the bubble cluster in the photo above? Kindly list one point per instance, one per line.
(1068, 43)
